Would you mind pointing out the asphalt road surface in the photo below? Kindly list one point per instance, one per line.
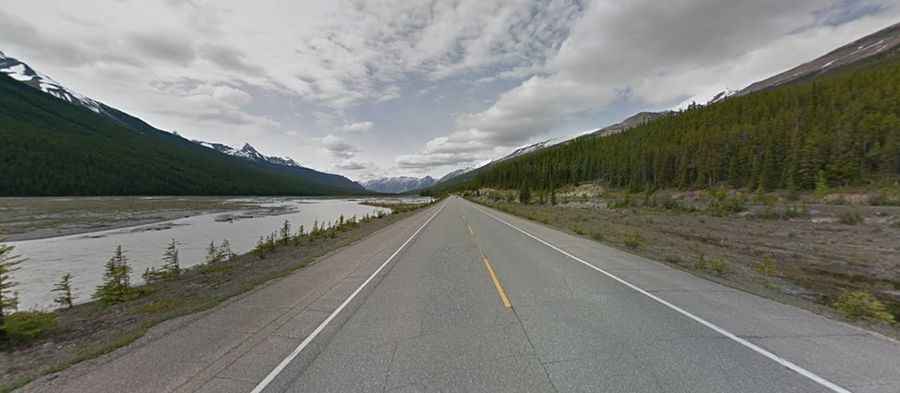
(477, 301)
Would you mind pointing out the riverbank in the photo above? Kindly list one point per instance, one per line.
(91, 329)
(45, 217)
(800, 252)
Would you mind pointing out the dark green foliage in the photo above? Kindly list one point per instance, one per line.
(524, 194)
(25, 326)
(9, 263)
(116, 286)
(169, 270)
(64, 293)
(50, 147)
(835, 130)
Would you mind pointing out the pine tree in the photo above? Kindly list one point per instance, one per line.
(9, 263)
(225, 252)
(65, 296)
(212, 253)
(116, 286)
(171, 267)
(524, 194)
(285, 232)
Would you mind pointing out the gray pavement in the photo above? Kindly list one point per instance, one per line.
(435, 323)
(432, 320)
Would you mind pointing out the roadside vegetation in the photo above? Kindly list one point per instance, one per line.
(834, 252)
(37, 342)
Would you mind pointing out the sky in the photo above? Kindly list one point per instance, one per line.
(389, 87)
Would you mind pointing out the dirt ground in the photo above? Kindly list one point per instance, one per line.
(799, 253)
(91, 329)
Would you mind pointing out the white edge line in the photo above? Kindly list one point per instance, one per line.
(762, 351)
(286, 361)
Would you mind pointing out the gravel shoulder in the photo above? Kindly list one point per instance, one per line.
(810, 260)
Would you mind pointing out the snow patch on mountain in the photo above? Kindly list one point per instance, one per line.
(23, 73)
(248, 152)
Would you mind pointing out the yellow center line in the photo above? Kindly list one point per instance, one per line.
(500, 290)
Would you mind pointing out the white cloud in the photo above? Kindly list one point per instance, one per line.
(681, 51)
(358, 126)
(338, 147)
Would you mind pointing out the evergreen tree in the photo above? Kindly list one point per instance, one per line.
(286, 232)
(116, 286)
(225, 252)
(65, 296)
(524, 194)
(212, 253)
(171, 267)
(9, 263)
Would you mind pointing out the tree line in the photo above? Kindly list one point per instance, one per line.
(840, 129)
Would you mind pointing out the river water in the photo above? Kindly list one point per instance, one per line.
(84, 255)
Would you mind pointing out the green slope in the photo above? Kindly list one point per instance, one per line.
(843, 127)
(49, 147)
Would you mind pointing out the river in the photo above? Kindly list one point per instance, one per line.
(84, 255)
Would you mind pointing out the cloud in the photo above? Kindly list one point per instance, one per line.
(358, 126)
(232, 96)
(338, 147)
(433, 160)
(608, 58)
(230, 58)
(164, 47)
(351, 165)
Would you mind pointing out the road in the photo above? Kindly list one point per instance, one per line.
(479, 301)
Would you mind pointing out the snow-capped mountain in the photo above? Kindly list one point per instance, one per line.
(722, 96)
(23, 73)
(248, 152)
(456, 173)
(397, 185)
(878, 43)
(530, 148)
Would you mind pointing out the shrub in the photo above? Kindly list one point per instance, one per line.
(766, 267)
(851, 217)
(598, 236)
(718, 266)
(857, 305)
(25, 326)
(794, 211)
(634, 240)
(579, 230)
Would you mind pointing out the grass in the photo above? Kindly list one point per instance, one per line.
(851, 217)
(89, 330)
(857, 305)
(634, 240)
(26, 326)
(766, 267)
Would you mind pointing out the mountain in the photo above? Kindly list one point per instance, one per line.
(58, 142)
(398, 185)
(631, 122)
(249, 152)
(882, 42)
(838, 125)
(456, 173)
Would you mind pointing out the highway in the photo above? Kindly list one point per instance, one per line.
(462, 298)
(479, 301)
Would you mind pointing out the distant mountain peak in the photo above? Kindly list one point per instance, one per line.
(398, 184)
(249, 152)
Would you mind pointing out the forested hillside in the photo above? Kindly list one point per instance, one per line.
(842, 128)
(50, 147)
